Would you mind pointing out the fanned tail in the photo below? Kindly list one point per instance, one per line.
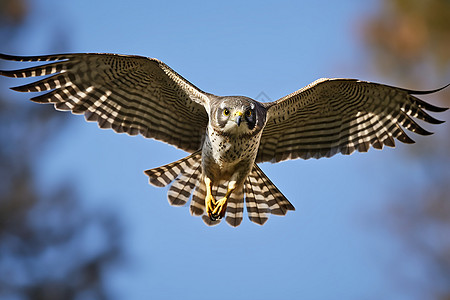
(263, 197)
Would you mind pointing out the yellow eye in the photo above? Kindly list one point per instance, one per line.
(248, 113)
(226, 112)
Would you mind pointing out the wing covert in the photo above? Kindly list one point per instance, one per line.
(130, 94)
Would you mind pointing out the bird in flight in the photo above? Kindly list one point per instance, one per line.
(226, 136)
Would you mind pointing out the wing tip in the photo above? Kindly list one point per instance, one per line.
(35, 58)
(18, 57)
(427, 105)
(19, 88)
(7, 56)
(415, 92)
(8, 73)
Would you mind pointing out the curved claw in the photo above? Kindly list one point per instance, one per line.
(213, 217)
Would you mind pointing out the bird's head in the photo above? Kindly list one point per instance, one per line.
(239, 115)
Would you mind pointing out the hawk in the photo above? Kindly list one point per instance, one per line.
(226, 136)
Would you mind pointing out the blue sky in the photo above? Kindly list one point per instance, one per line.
(331, 247)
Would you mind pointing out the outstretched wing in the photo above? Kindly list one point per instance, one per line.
(131, 94)
(341, 115)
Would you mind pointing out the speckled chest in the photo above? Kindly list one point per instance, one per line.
(226, 154)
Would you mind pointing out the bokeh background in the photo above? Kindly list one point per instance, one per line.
(78, 219)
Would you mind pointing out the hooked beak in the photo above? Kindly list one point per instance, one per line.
(238, 117)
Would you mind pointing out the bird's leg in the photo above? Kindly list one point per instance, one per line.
(221, 205)
(210, 203)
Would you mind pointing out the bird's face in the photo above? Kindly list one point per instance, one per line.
(236, 116)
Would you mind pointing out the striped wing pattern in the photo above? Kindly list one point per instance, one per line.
(332, 116)
(131, 94)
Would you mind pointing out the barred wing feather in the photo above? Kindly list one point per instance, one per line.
(332, 116)
(131, 94)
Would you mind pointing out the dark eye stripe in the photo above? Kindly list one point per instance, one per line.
(251, 119)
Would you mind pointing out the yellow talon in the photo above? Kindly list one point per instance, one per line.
(210, 202)
(210, 205)
(217, 209)
(220, 209)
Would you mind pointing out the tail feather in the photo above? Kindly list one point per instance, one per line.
(197, 207)
(210, 222)
(181, 189)
(185, 172)
(235, 208)
(164, 175)
(257, 208)
(278, 203)
(263, 197)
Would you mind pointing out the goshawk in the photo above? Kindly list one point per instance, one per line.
(225, 136)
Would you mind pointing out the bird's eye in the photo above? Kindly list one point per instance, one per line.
(226, 112)
(248, 113)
